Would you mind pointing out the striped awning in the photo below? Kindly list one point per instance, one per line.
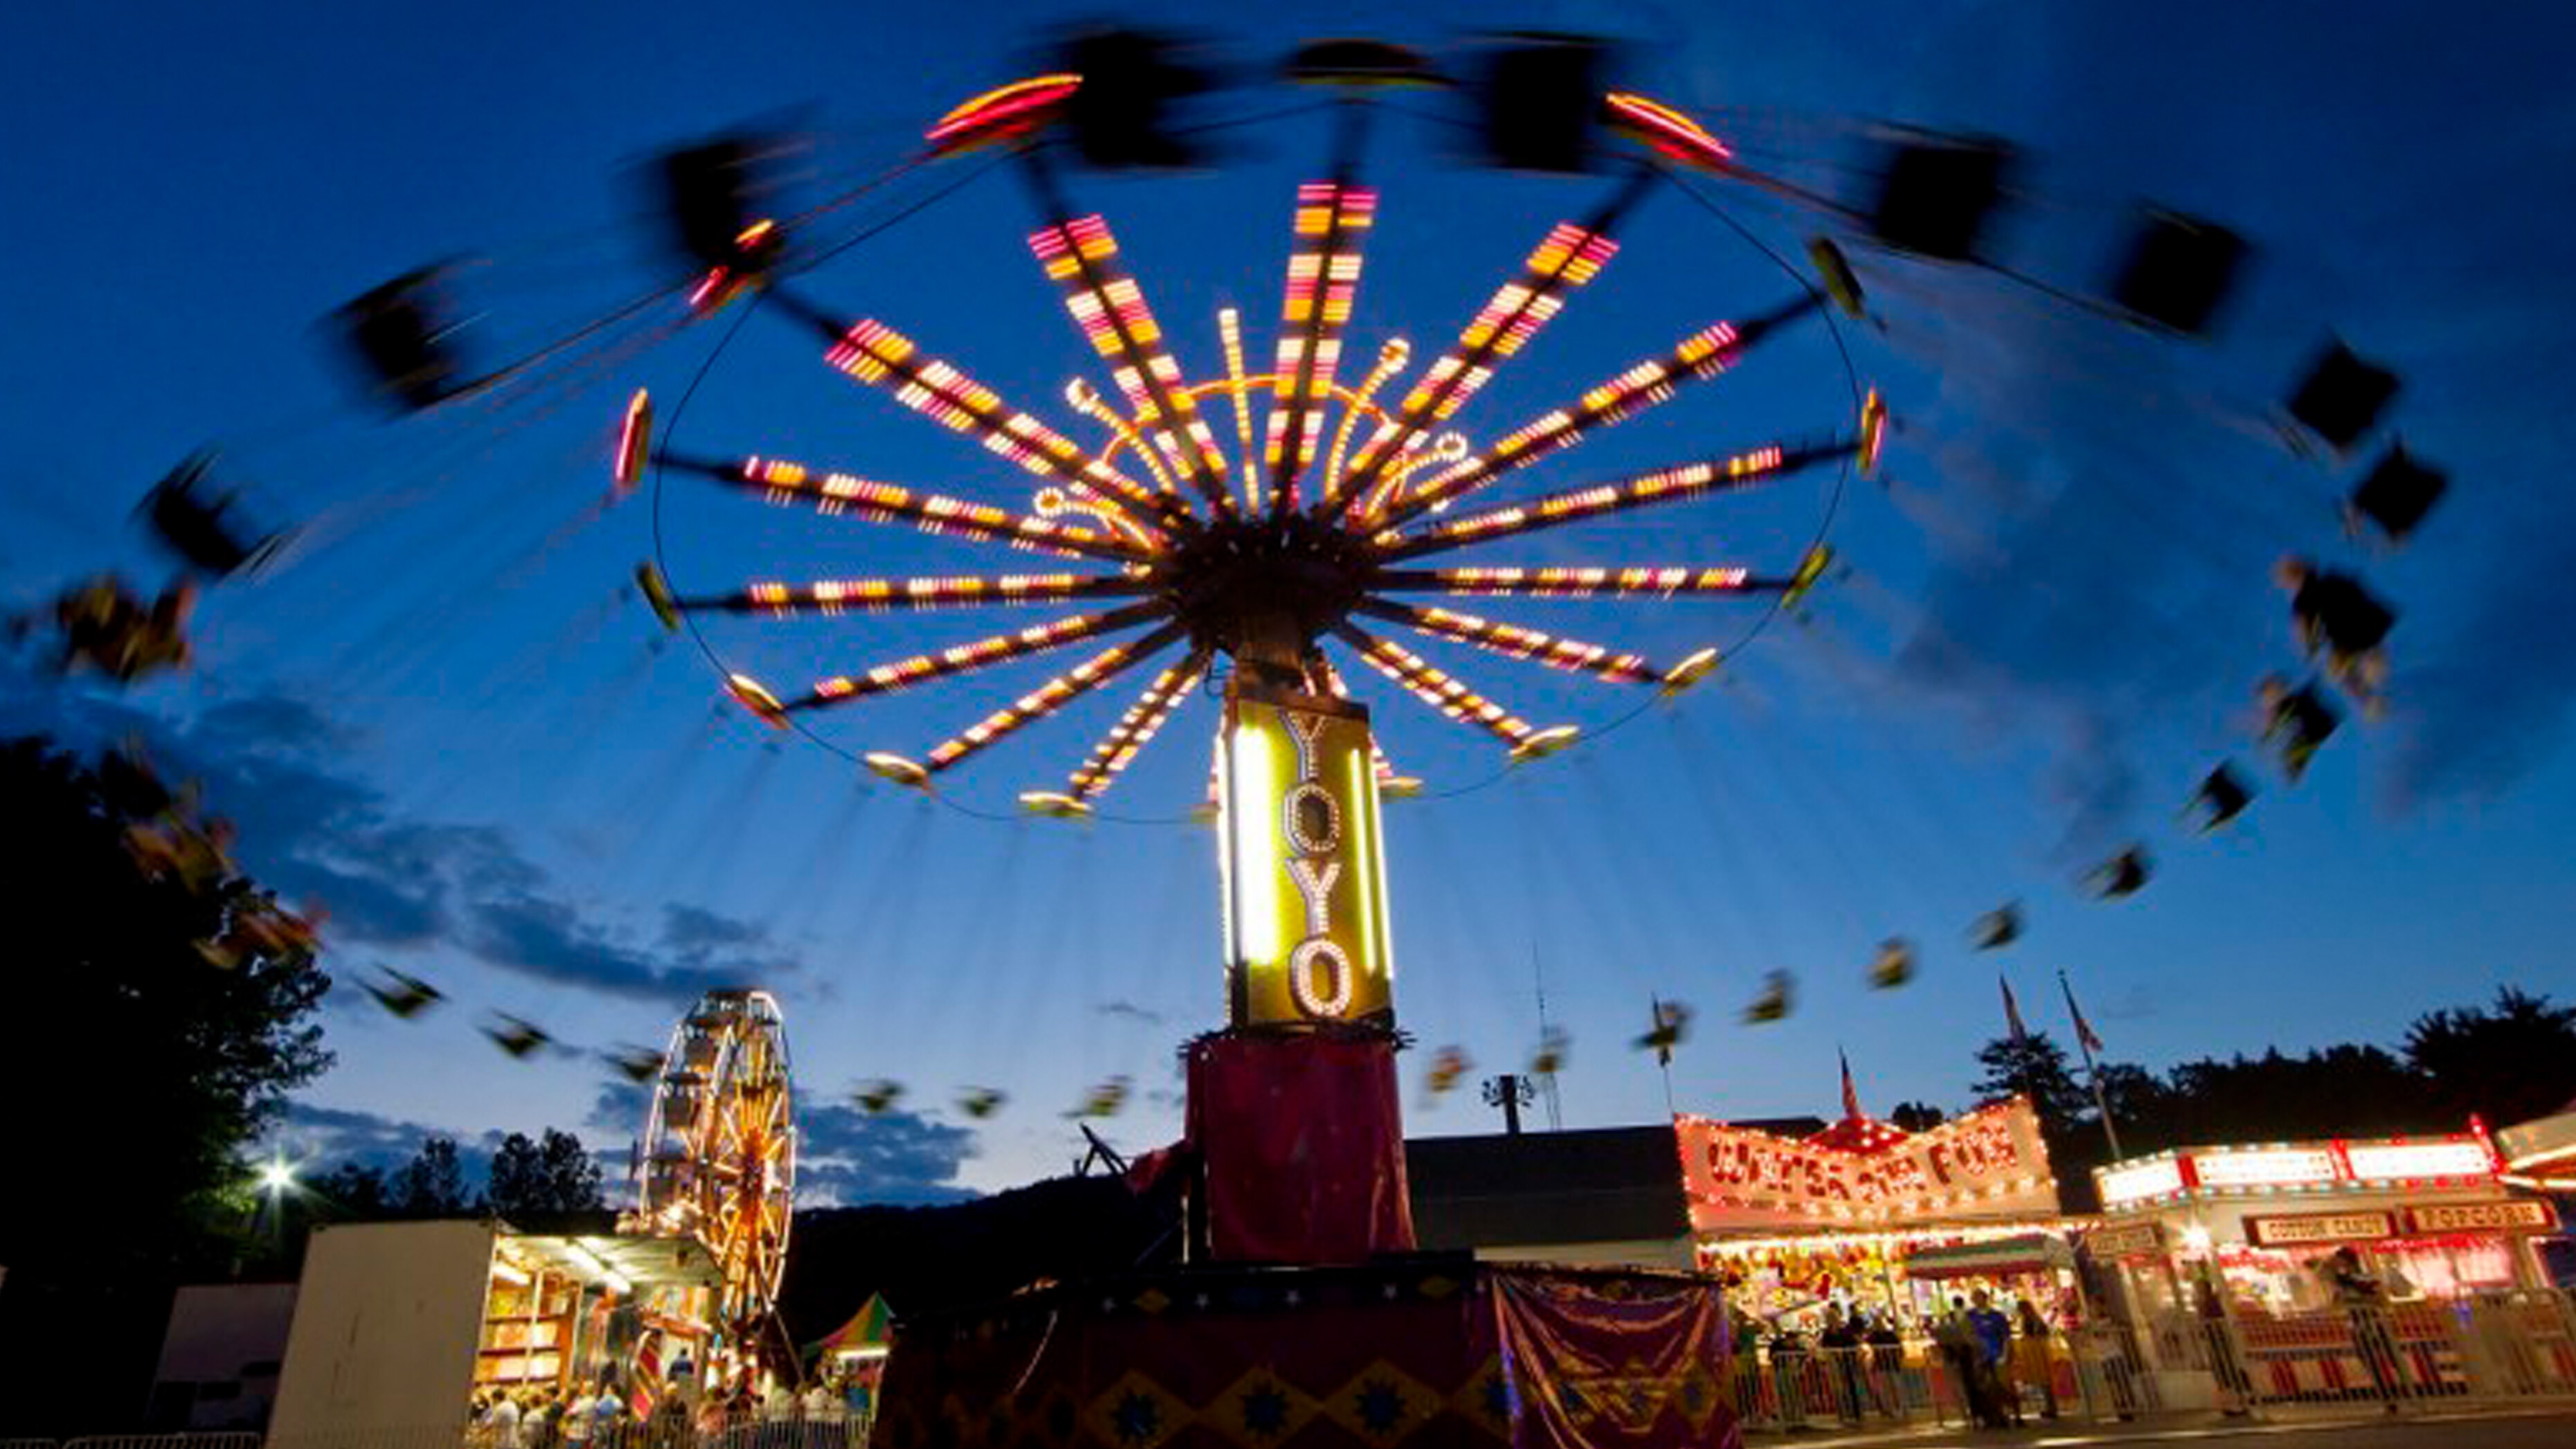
(2024, 1253)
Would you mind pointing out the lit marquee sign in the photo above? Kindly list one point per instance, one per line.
(2265, 1167)
(2376, 1161)
(2136, 1182)
(2338, 1165)
(1304, 861)
(1988, 1164)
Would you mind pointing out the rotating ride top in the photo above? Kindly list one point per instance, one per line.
(1342, 518)
(718, 1158)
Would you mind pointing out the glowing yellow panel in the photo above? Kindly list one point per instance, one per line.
(1306, 917)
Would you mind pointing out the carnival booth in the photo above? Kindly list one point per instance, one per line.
(1868, 1216)
(2540, 1157)
(2305, 1252)
(400, 1326)
(567, 1312)
(2429, 1217)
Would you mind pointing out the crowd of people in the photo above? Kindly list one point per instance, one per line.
(1854, 1364)
(596, 1414)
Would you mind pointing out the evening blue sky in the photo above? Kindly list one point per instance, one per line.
(442, 719)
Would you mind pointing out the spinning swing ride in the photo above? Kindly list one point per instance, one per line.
(1283, 528)
(1349, 515)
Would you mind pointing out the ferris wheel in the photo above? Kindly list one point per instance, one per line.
(1290, 524)
(718, 1158)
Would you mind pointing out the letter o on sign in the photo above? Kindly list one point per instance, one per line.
(1320, 954)
(1312, 819)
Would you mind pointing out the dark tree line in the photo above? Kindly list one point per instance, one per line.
(531, 1179)
(2506, 1062)
(140, 1068)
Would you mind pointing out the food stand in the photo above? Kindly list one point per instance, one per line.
(400, 1326)
(2540, 1158)
(2429, 1215)
(561, 1312)
(2274, 1265)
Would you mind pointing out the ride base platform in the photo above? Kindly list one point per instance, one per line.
(1422, 1349)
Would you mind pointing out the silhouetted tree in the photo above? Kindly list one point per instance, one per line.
(110, 995)
(2136, 1097)
(353, 1192)
(2342, 1090)
(145, 1072)
(432, 1184)
(1916, 1116)
(2035, 1067)
(2507, 1064)
(533, 1178)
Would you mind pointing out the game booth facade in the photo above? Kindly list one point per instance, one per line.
(1865, 1217)
(1868, 1216)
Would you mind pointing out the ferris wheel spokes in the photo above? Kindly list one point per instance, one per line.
(1323, 282)
(1570, 581)
(1110, 308)
(870, 352)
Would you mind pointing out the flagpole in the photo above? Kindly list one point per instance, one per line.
(2092, 1073)
(1663, 1056)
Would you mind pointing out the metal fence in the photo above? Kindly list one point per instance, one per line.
(1916, 1384)
(2486, 1348)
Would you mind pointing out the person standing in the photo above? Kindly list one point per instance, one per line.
(1886, 1363)
(505, 1421)
(1994, 1351)
(1840, 1343)
(577, 1416)
(2031, 1360)
(2365, 1307)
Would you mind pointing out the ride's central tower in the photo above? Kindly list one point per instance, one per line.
(1294, 1113)
(1303, 860)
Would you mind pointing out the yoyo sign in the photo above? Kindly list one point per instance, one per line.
(1304, 862)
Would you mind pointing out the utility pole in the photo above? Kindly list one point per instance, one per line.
(1511, 1091)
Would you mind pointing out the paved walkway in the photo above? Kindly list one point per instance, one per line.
(2544, 1426)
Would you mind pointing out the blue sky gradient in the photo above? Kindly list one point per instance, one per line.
(443, 719)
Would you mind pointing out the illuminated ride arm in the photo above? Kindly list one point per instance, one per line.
(778, 480)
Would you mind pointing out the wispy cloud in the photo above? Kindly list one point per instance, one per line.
(317, 833)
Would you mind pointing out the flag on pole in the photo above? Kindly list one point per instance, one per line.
(2012, 1014)
(1851, 1098)
(2083, 1029)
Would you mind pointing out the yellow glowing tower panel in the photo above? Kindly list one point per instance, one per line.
(1304, 862)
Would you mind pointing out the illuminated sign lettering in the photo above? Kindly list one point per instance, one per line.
(2292, 1228)
(2523, 1215)
(1989, 1163)
(1304, 861)
(2130, 1240)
